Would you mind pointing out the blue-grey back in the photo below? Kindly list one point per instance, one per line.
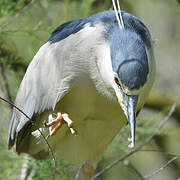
(126, 44)
(109, 20)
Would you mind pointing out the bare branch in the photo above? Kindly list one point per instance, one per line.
(49, 147)
(126, 162)
(18, 14)
(158, 128)
(161, 168)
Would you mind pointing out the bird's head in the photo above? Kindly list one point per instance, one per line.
(131, 81)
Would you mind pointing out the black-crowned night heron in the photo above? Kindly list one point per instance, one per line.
(91, 71)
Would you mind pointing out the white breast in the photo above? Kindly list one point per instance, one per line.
(96, 118)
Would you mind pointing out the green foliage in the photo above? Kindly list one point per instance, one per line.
(19, 42)
(8, 170)
(11, 164)
(145, 126)
(45, 169)
(9, 58)
(10, 7)
(80, 8)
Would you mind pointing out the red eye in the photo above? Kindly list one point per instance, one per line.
(117, 81)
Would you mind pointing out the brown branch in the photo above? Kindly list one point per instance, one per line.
(161, 168)
(18, 14)
(158, 128)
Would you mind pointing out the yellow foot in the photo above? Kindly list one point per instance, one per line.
(60, 120)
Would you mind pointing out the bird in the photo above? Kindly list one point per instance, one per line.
(89, 79)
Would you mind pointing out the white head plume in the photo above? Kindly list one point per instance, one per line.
(118, 13)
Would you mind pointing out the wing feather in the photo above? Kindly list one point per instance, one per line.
(39, 90)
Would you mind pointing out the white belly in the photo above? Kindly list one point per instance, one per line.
(96, 119)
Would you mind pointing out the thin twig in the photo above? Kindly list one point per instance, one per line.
(18, 14)
(49, 147)
(136, 171)
(161, 168)
(8, 102)
(126, 162)
(158, 128)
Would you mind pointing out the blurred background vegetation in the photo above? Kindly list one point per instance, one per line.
(26, 24)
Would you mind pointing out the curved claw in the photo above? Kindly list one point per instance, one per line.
(60, 120)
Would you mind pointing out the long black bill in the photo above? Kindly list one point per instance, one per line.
(130, 110)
